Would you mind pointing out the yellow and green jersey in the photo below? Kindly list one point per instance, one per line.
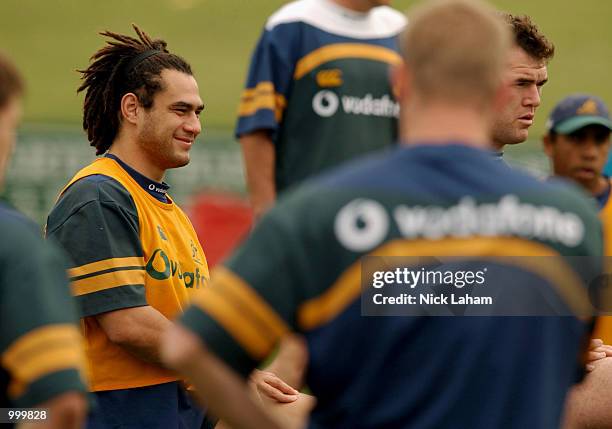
(41, 352)
(130, 246)
(603, 327)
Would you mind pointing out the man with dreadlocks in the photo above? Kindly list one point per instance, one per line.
(136, 258)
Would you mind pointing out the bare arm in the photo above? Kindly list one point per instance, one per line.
(138, 330)
(259, 161)
(66, 411)
(587, 404)
(225, 393)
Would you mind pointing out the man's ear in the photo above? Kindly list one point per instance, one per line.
(130, 107)
(547, 144)
(400, 81)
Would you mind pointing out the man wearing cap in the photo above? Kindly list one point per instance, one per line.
(577, 142)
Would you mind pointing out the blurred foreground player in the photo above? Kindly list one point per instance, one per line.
(136, 259)
(525, 74)
(41, 353)
(577, 142)
(301, 268)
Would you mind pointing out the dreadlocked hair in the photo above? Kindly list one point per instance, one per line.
(112, 73)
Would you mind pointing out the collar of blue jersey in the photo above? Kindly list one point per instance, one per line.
(497, 155)
(156, 189)
(344, 11)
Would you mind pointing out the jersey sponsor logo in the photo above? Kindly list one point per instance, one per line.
(329, 78)
(326, 103)
(161, 267)
(363, 224)
(154, 188)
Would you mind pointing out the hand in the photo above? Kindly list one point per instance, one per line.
(597, 351)
(269, 386)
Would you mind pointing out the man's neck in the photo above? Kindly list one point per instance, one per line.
(442, 124)
(133, 156)
(361, 6)
(497, 147)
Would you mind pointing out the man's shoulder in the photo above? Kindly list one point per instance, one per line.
(409, 178)
(91, 190)
(95, 187)
(382, 21)
(11, 217)
(19, 234)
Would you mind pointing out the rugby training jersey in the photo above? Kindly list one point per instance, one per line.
(603, 327)
(301, 270)
(40, 345)
(128, 249)
(319, 80)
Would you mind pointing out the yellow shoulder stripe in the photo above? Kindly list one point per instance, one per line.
(242, 312)
(43, 351)
(262, 96)
(106, 264)
(344, 50)
(323, 308)
(107, 281)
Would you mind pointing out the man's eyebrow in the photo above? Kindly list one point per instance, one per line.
(188, 106)
(531, 80)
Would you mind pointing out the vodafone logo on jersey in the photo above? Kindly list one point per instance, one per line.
(363, 224)
(326, 103)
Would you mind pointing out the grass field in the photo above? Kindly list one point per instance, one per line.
(50, 39)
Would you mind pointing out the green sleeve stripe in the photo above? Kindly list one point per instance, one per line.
(110, 270)
(49, 386)
(116, 298)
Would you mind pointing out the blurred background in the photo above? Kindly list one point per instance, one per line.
(50, 39)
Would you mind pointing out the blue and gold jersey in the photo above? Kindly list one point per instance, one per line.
(301, 270)
(41, 352)
(128, 249)
(319, 80)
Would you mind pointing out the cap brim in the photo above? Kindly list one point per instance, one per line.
(577, 122)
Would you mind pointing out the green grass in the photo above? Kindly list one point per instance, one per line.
(50, 39)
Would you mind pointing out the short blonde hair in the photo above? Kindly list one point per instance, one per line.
(456, 51)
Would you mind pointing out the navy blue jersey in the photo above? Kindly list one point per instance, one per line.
(302, 270)
(319, 81)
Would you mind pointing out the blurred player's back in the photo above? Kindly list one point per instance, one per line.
(323, 259)
(433, 371)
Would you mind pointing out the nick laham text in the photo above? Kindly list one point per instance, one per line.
(431, 299)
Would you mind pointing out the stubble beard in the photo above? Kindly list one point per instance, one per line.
(159, 148)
